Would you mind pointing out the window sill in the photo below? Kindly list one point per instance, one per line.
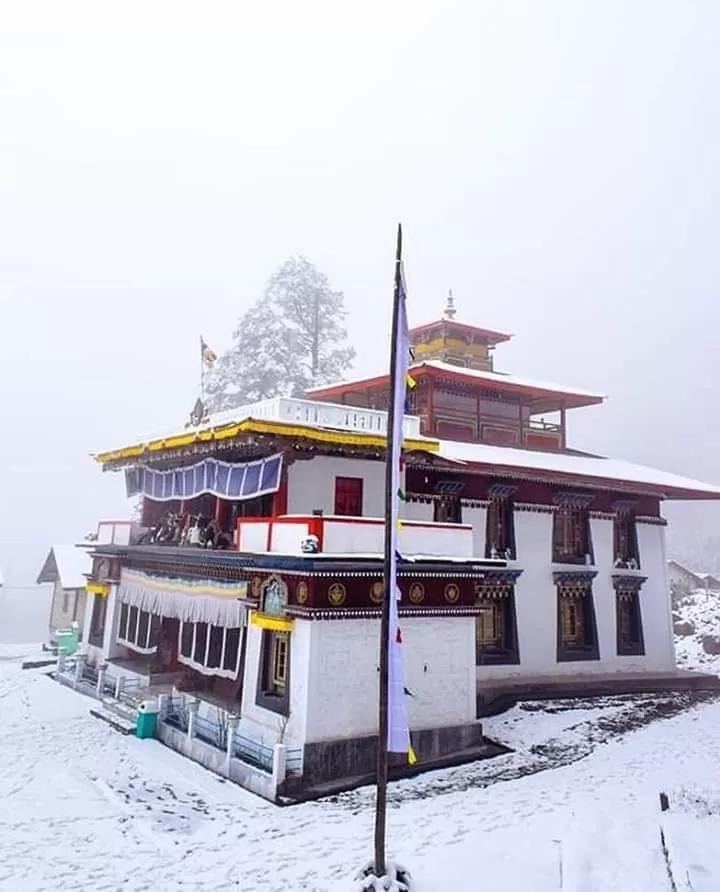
(280, 705)
(572, 567)
(497, 658)
(632, 651)
(577, 656)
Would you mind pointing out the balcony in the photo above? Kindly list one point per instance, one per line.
(542, 435)
(351, 536)
(306, 412)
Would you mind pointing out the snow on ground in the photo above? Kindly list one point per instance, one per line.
(83, 807)
(701, 610)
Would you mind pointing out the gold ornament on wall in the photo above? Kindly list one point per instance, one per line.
(452, 593)
(301, 592)
(376, 592)
(336, 594)
(417, 593)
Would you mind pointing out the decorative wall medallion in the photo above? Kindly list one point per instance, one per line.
(417, 593)
(452, 593)
(336, 594)
(274, 597)
(301, 592)
(376, 592)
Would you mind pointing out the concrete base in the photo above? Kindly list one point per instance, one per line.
(334, 766)
(116, 721)
(216, 760)
(496, 695)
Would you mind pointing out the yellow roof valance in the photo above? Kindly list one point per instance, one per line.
(250, 426)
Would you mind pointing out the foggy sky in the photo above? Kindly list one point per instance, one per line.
(555, 163)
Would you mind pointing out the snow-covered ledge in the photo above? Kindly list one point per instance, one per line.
(315, 414)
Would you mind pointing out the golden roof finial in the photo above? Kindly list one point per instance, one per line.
(450, 306)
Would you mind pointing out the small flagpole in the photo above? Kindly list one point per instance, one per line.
(382, 746)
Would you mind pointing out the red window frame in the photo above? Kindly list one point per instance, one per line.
(349, 496)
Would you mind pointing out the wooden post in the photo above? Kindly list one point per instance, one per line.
(382, 744)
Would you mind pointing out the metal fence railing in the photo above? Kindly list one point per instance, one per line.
(211, 732)
(254, 753)
(176, 713)
(293, 760)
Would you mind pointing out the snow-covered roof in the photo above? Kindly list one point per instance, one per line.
(490, 377)
(578, 467)
(67, 564)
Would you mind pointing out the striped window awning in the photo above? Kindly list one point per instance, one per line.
(202, 601)
(236, 482)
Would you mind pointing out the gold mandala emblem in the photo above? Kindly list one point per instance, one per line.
(336, 594)
(452, 593)
(417, 593)
(301, 592)
(376, 592)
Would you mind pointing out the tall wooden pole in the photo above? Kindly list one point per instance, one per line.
(382, 746)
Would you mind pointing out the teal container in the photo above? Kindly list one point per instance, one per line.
(147, 718)
(67, 640)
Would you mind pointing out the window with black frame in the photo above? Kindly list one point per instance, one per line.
(495, 624)
(577, 628)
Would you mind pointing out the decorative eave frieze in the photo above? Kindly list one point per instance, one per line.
(628, 581)
(330, 613)
(579, 575)
(574, 499)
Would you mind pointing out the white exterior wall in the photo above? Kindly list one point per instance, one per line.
(536, 603)
(311, 484)
(343, 675)
(264, 724)
(655, 600)
(422, 511)
(111, 648)
(535, 600)
(477, 517)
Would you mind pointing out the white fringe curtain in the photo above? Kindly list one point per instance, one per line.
(210, 602)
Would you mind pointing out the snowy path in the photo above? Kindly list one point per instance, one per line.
(82, 807)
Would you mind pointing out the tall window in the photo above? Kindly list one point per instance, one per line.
(577, 630)
(495, 624)
(138, 630)
(210, 650)
(630, 641)
(571, 535)
(500, 533)
(447, 509)
(274, 676)
(97, 621)
(349, 496)
(626, 553)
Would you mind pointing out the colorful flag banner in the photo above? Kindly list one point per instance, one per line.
(209, 356)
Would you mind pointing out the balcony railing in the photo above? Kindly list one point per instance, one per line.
(351, 535)
(543, 426)
(307, 412)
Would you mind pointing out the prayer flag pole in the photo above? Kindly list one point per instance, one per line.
(391, 472)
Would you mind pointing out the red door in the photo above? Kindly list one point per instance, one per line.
(349, 496)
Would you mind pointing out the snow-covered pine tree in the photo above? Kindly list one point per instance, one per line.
(292, 339)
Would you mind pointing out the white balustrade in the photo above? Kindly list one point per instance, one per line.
(332, 416)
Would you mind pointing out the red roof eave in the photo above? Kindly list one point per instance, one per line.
(629, 486)
(564, 399)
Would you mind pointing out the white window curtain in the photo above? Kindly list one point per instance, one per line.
(138, 630)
